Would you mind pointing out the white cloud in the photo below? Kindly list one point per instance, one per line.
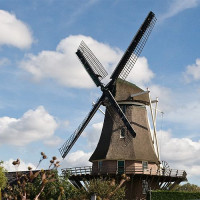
(178, 6)
(186, 113)
(63, 65)
(141, 74)
(66, 123)
(34, 125)
(192, 72)
(13, 31)
(22, 167)
(53, 141)
(178, 107)
(164, 95)
(180, 153)
(76, 159)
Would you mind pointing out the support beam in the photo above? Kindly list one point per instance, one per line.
(154, 126)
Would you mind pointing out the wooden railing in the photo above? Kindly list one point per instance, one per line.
(77, 171)
(103, 171)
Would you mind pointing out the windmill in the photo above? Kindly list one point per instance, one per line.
(126, 123)
(97, 73)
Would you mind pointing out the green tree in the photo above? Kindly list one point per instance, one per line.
(187, 188)
(54, 187)
(3, 179)
(48, 185)
(39, 184)
(103, 189)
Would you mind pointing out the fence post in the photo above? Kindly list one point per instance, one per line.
(148, 196)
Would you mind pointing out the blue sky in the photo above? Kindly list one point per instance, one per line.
(45, 92)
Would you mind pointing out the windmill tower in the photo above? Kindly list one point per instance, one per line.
(115, 143)
(119, 153)
(125, 145)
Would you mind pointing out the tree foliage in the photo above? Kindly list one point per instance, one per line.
(3, 179)
(180, 192)
(187, 188)
(172, 195)
(103, 189)
(48, 185)
(39, 184)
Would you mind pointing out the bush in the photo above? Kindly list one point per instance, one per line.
(173, 195)
(103, 189)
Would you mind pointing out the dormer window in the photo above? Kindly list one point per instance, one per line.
(122, 133)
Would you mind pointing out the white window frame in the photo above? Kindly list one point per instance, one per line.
(144, 165)
(121, 136)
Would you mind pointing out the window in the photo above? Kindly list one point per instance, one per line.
(120, 166)
(144, 165)
(122, 133)
(100, 163)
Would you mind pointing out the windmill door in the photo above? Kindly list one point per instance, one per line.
(120, 166)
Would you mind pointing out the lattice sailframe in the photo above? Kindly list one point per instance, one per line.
(137, 51)
(94, 63)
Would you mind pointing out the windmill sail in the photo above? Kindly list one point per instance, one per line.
(135, 48)
(97, 73)
(92, 65)
(66, 147)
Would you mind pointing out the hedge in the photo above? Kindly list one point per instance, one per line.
(169, 195)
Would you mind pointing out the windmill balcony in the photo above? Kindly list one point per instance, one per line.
(87, 170)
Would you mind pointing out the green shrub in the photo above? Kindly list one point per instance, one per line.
(173, 195)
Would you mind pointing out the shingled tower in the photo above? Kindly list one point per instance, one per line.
(117, 152)
(115, 144)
